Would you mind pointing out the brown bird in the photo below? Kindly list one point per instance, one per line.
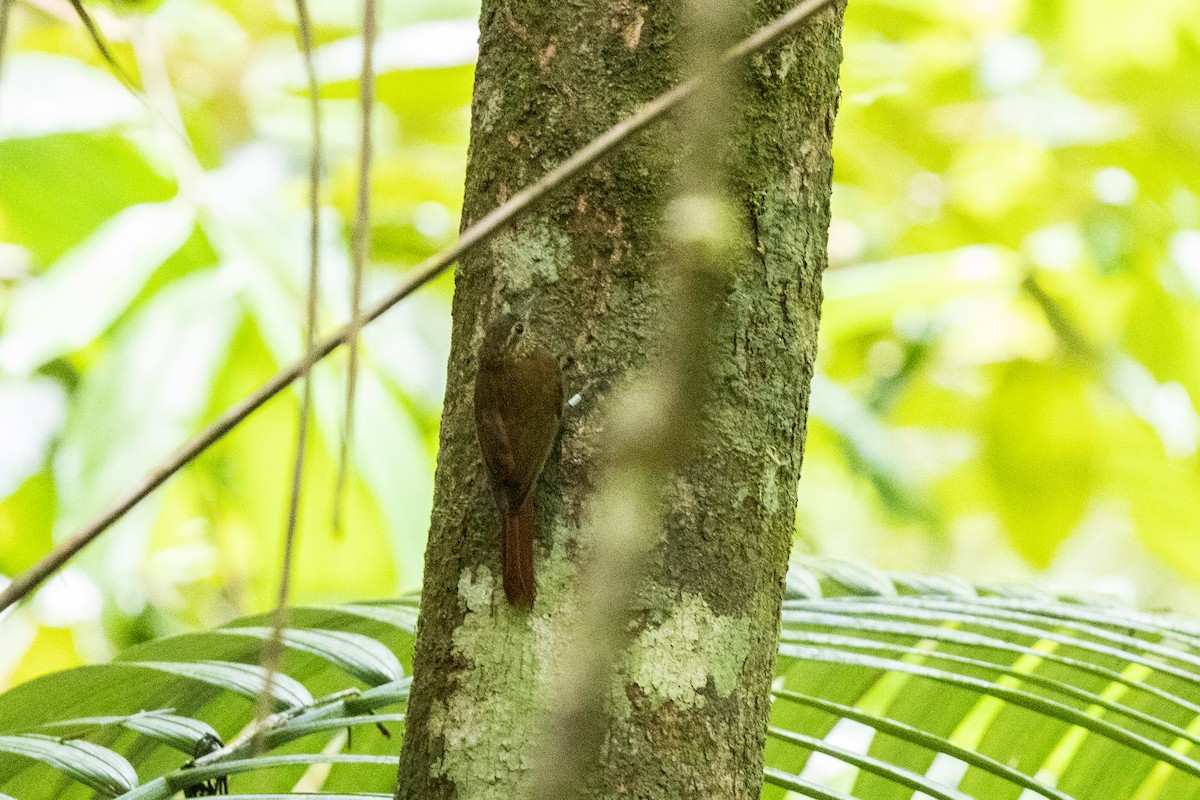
(518, 409)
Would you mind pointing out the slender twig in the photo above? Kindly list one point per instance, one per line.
(360, 245)
(424, 272)
(1075, 341)
(272, 651)
(98, 41)
(93, 31)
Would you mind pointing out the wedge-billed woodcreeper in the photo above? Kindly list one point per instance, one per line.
(518, 410)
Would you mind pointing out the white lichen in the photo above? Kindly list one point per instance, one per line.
(676, 660)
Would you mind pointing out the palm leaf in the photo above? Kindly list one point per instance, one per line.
(888, 686)
(987, 692)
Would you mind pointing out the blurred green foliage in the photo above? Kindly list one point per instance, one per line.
(1010, 331)
(1009, 362)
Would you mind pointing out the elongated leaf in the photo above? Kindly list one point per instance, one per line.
(92, 765)
(78, 297)
(247, 680)
(181, 733)
(934, 743)
(1110, 616)
(401, 616)
(181, 779)
(300, 729)
(857, 579)
(978, 643)
(964, 665)
(794, 783)
(360, 656)
(1115, 645)
(897, 775)
(1091, 700)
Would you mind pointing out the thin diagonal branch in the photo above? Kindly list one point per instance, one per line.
(424, 272)
(272, 652)
(362, 238)
(93, 32)
(98, 41)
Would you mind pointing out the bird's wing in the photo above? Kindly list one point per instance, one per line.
(497, 445)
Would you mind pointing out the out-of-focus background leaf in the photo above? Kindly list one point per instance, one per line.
(1010, 357)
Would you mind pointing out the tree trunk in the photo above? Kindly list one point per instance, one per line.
(689, 707)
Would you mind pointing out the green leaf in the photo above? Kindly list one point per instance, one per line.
(152, 385)
(1049, 709)
(913, 735)
(247, 680)
(805, 788)
(1014, 680)
(74, 301)
(901, 776)
(360, 656)
(47, 94)
(1041, 451)
(94, 766)
(181, 733)
(403, 617)
(26, 523)
(187, 777)
(848, 577)
(40, 404)
(33, 173)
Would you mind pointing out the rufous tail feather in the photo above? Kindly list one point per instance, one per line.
(517, 557)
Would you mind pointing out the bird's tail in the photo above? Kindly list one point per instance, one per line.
(517, 557)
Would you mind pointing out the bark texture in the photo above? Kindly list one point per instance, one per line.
(689, 706)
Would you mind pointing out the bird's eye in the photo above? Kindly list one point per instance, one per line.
(519, 328)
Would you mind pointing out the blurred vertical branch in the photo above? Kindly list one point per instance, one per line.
(654, 428)
(273, 649)
(5, 13)
(360, 248)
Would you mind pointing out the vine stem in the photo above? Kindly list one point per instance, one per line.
(361, 246)
(272, 652)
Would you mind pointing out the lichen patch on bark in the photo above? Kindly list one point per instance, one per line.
(675, 661)
(489, 725)
(531, 253)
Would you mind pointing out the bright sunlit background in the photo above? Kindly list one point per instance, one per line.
(1010, 354)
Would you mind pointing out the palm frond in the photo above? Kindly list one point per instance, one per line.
(888, 686)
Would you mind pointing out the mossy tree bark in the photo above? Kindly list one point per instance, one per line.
(689, 705)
